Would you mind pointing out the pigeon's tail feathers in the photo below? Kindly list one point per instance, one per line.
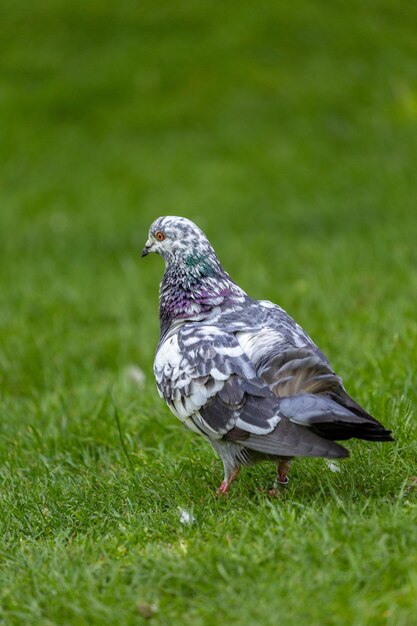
(332, 420)
(289, 440)
(300, 374)
(309, 425)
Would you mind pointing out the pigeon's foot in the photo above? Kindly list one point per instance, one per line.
(279, 484)
(281, 479)
(223, 490)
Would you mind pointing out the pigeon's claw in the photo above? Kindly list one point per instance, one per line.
(274, 493)
(223, 490)
(281, 479)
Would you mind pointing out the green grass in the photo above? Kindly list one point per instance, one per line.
(288, 131)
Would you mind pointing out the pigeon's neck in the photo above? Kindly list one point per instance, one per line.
(192, 287)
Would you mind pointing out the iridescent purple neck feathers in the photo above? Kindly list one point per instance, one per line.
(193, 285)
(194, 282)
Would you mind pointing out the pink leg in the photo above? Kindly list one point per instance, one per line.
(282, 472)
(281, 479)
(223, 490)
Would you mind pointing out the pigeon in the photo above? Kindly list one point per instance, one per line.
(241, 372)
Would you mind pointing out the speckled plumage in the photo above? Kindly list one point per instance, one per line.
(242, 372)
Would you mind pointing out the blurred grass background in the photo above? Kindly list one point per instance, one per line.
(288, 132)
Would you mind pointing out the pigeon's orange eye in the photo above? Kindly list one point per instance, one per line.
(159, 236)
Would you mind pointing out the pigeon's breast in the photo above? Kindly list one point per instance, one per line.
(184, 388)
(170, 367)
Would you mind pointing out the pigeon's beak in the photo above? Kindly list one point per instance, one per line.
(146, 250)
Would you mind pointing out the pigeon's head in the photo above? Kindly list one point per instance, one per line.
(194, 281)
(177, 238)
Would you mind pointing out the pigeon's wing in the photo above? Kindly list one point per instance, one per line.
(291, 365)
(283, 354)
(210, 384)
(212, 387)
(289, 370)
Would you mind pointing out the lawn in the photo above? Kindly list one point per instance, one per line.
(288, 132)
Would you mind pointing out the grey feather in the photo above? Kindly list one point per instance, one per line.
(290, 440)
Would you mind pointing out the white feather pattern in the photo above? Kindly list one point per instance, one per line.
(258, 343)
